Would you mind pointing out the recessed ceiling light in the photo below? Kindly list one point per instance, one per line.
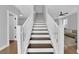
(20, 15)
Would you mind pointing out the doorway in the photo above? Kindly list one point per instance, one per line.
(39, 9)
(12, 26)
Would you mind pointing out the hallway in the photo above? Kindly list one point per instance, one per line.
(40, 42)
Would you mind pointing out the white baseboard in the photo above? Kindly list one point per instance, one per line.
(77, 51)
(3, 47)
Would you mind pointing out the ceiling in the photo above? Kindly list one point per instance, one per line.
(26, 10)
(54, 10)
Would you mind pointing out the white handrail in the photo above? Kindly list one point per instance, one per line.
(24, 34)
(30, 17)
(53, 31)
(56, 33)
(27, 29)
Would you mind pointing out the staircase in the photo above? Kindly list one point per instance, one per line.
(40, 42)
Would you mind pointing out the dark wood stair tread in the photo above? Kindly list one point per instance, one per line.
(39, 24)
(40, 52)
(39, 34)
(40, 46)
(40, 39)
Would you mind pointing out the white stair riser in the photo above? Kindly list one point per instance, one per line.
(38, 36)
(40, 50)
(39, 25)
(40, 32)
(39, 28)
(40, 41)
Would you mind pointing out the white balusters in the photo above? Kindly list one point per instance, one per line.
(53, 32)
(56, 34)
(24, 34)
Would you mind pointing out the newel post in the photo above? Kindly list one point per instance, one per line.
(19, 39)
(78, 30)
(61, 37)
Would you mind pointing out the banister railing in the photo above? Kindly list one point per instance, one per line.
(53, 31)
(56, 33)
(24, 34)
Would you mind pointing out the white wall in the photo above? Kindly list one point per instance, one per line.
(3, 22)
(72, 22)
(27, 10)
(21, 20)
(54, 10)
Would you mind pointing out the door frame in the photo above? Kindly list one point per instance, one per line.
(9, 12)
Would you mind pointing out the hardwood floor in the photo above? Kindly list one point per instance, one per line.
(12, 49)
(70, 46)
(70, 50)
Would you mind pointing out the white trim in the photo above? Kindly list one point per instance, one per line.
(8, 12)
(13, 39)
(3, 47)
(19, 39)
(16, 26)
(7, 27)
(77, 51)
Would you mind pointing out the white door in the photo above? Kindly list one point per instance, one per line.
(12, 27)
